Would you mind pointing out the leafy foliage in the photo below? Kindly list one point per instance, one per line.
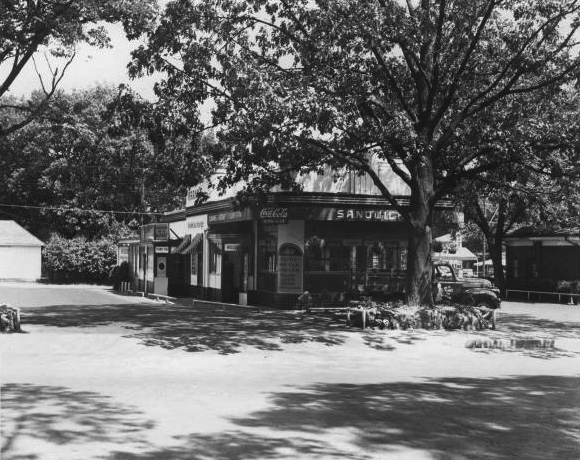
(78, 260)
(538, 183)
(96, 150)
(299, 85)
(397, 316)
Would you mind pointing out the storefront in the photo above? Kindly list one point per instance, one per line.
(270, 254)
(320, 246)
(147, 258)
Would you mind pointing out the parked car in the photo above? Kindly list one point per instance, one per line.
(478, 292)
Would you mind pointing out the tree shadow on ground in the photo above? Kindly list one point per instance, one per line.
(58, 415)
(528, 335)
(182, 327)
(530, 417)
(523, 324)
(177, 326)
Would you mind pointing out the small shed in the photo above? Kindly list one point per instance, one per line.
(20, 253)
(456, 254)
(537, 259)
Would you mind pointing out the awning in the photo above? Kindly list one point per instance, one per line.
(184, 243)
(193, 245)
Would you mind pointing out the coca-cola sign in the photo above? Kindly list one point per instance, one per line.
(274, 215)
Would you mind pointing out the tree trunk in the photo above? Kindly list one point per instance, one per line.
(419, 289)
(495, 251)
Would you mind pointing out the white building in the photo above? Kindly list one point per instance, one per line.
(461, 258)
(20, 253)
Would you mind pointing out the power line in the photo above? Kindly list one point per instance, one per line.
(67, 208)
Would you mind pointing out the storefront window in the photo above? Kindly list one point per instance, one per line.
(383, 256)
(215, 257)
(326, 255)
(194, 263)
(196, 258)
(316, 257)
(267, 248)
(267, 257)
(403, 258)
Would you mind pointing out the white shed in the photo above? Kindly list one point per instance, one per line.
(20, 252)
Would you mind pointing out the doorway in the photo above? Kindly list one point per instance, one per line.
(231, 274)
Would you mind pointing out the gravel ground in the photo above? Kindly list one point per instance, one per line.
(103, 376)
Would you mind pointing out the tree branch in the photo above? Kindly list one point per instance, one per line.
(360, 165)
(463, 65)
(398, 92)
(34, 112)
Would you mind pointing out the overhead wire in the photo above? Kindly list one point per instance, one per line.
(71, 208)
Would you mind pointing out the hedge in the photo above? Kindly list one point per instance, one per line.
(78, 260)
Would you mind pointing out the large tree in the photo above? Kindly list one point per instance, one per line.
(29, 28)
(298, 84)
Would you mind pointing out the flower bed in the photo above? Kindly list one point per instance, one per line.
(9, 318)
(400, 316)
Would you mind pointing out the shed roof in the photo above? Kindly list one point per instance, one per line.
(447, 238)
(12, 234)
(461, 254)
(527, 232)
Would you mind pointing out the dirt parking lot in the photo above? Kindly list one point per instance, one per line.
(102, 376)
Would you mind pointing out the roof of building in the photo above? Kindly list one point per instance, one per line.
(461, 254)
(528, 232)
(12, 234)
(447, 238)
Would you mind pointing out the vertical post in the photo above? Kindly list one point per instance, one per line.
(484, 244)
(142, 194)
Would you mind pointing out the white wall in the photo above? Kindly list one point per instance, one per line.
(178, 228)
(20, 262)
(293, 233)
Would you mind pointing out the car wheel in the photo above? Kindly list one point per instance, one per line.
(482, 303)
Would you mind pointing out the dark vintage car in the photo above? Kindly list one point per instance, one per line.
(478, 292)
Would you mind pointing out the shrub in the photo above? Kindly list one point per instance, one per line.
(78, 260)
(119, 274)
(569, 286)
(399, 316)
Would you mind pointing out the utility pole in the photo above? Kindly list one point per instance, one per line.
(484, 248)
(142, 194)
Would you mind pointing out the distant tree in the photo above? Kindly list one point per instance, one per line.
(93, 160)
(53, 28)
(300, 84)
(538, 183)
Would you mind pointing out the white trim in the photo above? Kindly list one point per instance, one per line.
(519, 243)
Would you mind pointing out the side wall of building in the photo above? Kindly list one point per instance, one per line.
(20, 262)
(539, 265)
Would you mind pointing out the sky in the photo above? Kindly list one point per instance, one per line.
(90, 67)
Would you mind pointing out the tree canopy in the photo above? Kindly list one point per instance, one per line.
(28, 27)
(538, 181)
(298, 84)
(93, 160)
